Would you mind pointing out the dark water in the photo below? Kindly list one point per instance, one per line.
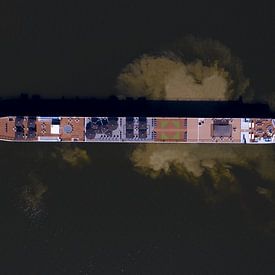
(105, 217)
(78, 48)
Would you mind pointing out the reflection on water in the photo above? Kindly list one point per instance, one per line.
(32, 196)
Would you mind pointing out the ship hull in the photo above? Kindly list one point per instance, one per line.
(137, 130)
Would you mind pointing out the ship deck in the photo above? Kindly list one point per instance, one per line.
(138, 129)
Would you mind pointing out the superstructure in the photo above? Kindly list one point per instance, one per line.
(137, 129)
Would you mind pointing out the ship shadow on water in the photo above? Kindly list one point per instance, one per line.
(112, 106)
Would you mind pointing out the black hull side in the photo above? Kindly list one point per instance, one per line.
(130, 107)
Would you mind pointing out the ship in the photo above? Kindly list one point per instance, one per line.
(137, 129)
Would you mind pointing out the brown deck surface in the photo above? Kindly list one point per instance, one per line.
(44, 128)
(77, 125)
(192, 133)
(201, 132)
(7, 128)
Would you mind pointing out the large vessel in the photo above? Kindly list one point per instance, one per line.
(137, 129)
